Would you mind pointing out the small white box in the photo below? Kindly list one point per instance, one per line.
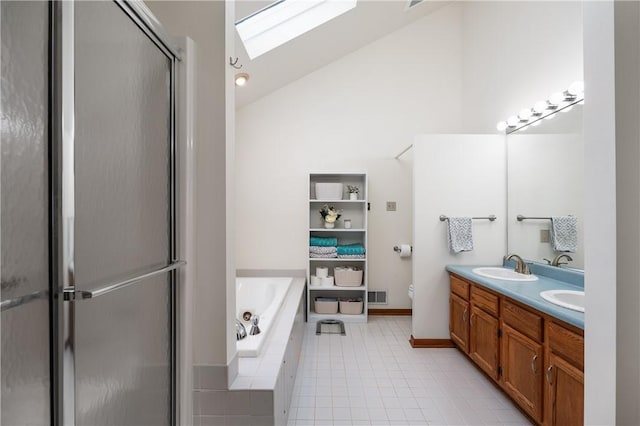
(328, 191)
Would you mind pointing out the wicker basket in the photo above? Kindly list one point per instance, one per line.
(351, 306)
(326, 305)
(345, 277)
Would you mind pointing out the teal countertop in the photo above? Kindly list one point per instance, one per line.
(527, 292)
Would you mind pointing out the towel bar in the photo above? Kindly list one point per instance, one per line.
(491, 217)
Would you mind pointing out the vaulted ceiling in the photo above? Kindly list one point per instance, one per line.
(367, 22)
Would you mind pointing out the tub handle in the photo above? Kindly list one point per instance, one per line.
(254, 325)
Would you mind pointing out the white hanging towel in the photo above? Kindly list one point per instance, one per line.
(460, 235)
(564, 233)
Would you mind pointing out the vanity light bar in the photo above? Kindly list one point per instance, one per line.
(543, 109)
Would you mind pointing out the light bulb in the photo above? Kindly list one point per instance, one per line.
(241, 79)
(540, 107)
(576, 88)
(512, 121)
(556, 98)
(524, 114)
(501, 126)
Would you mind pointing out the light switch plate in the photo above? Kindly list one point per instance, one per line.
(545, 237)
(391, 206)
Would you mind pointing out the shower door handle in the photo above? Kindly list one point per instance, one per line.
(72, 294)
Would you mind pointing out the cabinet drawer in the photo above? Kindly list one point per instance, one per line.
(484, 300)
(459, 287)
(523, 320)
(566, 343)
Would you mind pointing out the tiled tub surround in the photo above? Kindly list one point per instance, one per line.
(528, 292)
(260, 393)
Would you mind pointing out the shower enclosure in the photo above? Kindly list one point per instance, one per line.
(88, 215)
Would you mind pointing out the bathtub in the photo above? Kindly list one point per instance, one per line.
(262, 297)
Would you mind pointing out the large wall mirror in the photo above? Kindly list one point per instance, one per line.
(545, 179)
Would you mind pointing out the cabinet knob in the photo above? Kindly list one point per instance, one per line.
(534, 364)
(549, 370)
(464, 315)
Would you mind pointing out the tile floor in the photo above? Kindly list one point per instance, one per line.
(372, 376)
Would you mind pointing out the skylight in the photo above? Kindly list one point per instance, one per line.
(285, 20)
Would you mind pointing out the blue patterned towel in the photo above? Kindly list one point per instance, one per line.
(323, 241)
(351, 256)
(351, 249)
(564, 233)
(460, 234)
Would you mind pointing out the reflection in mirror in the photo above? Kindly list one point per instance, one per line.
(545, 179)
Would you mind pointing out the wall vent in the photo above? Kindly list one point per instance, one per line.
(377, 297)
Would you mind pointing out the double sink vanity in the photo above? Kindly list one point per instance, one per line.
(526, 332)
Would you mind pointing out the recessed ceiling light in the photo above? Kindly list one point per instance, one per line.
(241, 79)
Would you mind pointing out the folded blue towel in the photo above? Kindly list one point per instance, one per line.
(351, 249)
(323, 241)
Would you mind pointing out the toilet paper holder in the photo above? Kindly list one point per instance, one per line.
(398, 250)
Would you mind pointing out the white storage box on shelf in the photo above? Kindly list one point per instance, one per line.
(326, 305)
(329, 191)
(351, 306)
(347, 277)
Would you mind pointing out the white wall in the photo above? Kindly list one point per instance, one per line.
(454, 175)
(627, 37)
(204, 22)
(355, 114)
(600, 215)
(516, 53)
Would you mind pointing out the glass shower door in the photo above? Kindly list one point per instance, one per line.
(122, 222)
(25, 347)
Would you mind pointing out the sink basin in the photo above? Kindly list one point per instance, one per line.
(570, 299)
(506, 274)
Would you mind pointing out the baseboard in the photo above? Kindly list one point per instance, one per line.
(390, 312)
(431, 343)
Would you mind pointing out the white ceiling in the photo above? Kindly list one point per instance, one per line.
(368, 21)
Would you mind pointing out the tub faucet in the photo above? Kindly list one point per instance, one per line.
(254, 325)
(241, 332)
(521, 265)
(558, 258)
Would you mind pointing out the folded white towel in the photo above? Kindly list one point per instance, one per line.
(564, 233)
(460, 234)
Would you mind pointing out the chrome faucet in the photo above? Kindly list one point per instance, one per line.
(254, 325)
(241, 332)
(558, 258)
(521, 265)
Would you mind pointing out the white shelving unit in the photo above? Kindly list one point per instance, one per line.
(356, 211)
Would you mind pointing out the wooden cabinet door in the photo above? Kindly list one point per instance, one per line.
(483, 341)
(566, 392)
(459, 322)
(522, 366)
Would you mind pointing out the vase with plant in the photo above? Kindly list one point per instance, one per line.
(353, 192)
(330, 214)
